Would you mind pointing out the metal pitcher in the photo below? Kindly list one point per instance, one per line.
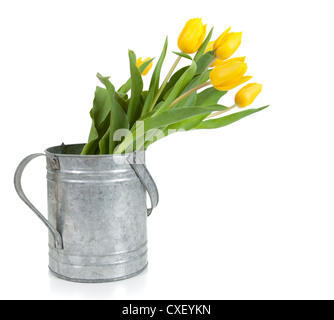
(97, 213)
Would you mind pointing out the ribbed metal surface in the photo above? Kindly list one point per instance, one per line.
(98, 205)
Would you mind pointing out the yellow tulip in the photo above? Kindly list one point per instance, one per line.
(229, 74)
(149, 67)
(219, 62)
(192, 36)
(227, 44)
(246, 96)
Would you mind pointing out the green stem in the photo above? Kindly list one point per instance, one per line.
(220, 112)
(188, 93)
(211, 63)
(209, 66)
(164, 83)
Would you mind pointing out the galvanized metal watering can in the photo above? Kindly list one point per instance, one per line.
(97, 213)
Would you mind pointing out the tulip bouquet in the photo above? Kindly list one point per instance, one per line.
(122, 123)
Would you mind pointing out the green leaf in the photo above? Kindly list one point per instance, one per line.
(203, 47)
(209, 96)
(167, 94)
(118, 118)
(104, 142)
(134, 110)
(155, 81)
(168, 117)
(165, 119)
(123, 100)
(150, 114)
(192, 122)
(191, 100)
(183, 55)
(91, 146)
(224, 121)
(99, 113)
(179, 86)
(101, 106)
(175, 77)
(173, 116)
(204, 62)
(124, 96)
(144, 95)
(127, 86)
(205, 76)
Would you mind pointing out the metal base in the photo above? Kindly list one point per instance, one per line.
(97, 280)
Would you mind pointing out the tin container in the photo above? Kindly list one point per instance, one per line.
(97, 213)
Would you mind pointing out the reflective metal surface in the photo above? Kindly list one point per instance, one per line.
(97, 205)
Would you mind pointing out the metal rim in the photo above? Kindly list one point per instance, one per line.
(49, 153)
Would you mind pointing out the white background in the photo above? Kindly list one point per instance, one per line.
(246, 211)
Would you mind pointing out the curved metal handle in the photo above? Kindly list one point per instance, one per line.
(147, 181)
(58, 241)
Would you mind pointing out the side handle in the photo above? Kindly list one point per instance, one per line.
(146, 180)
(58, 241)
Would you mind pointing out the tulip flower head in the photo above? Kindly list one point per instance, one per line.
(246, 96)
(229, 74)
(149, 67)
(227, 44)
(192, 36)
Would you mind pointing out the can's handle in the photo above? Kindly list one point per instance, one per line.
(146, 180)
(58, 241)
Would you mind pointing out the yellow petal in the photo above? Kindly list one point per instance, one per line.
(209, 47)
(229, 45)
(220, 62)
(148, 68)
(228, 72)
(239, 59)
(235, 84)
(139, 62)
(192, 36)
(228, 75)
(232, 81)
(220, 40)
(246, 96)
(217, 63)
(201, 38)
